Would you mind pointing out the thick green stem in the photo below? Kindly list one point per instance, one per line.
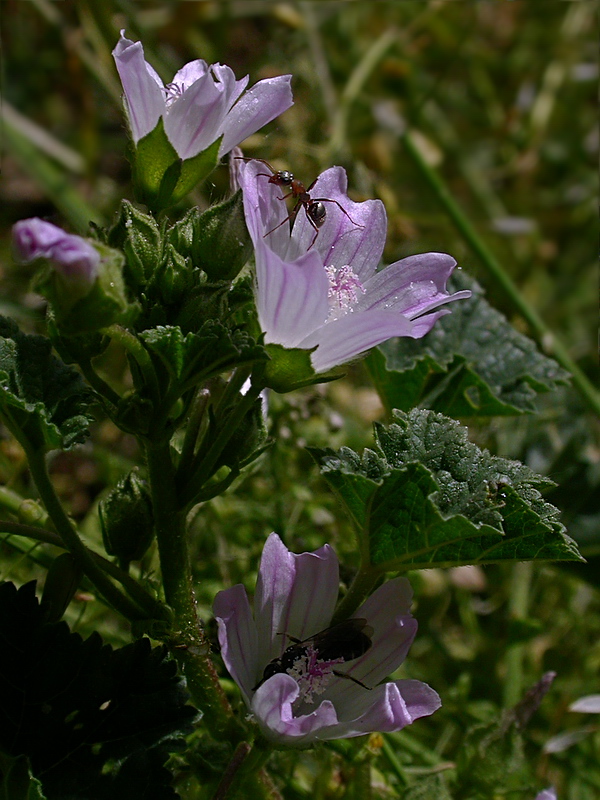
(99, 384)
(139, 353)
(540, 330)
(70, 537)
(208, 460)
(152, 607)
(242, 772)
(190, 646)
(358, 591)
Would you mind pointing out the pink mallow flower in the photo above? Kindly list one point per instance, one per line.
(547, 794)
(72, 257)
(323, 289)
(296, 597)
(202, 103)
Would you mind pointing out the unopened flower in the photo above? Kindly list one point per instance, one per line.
(319, 288)
(202, 103)
(72, 257)
(303, 697)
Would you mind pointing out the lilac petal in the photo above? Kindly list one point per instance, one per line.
(34, 238)
(71, 256)
(547, 794)
(295, 594)
(272, 706)
(423, 325)
(189, 74)
(291, 297)
(195, 118)
(346, 338)
(262, 103)
(413, 286)
(238, 638)
(232, 87)
(144, 96)
(341, 241)
(263, 209)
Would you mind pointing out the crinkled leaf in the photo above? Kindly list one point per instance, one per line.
(41, 398)
(472, 363)
(428, 497)
(192, 357)
(92, 721)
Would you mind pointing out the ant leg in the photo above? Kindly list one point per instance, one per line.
(292, 215)
(339, 205)
(350, 678)
(312, 222)
(262, 161)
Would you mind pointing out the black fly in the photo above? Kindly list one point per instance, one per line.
(339, 643)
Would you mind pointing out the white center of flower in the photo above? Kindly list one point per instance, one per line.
(312, 674)
(344, 286)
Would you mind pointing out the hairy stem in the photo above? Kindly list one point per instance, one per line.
(70, 537)
(189, 644)
(152, 607)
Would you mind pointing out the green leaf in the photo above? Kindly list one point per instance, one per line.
(427, 497)
(192, 357)
(92, 721)
(41, 399)
(472, 363)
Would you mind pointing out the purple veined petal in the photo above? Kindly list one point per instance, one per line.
(75, 259)
(194, 119)
(232, 87)
(423, 325)
(272, 707)
(189, 74)
(386, 708)
(343, 339)
(263, 102)
(340, 240)
(71, 256)
(413, 286)
(34, 238)
(295, 594)
(387, 611)
(144, 94)
(238, 637)
(265, 212)
(291, 297)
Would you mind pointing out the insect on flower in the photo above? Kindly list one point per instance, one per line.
(317, 655)
(315, 211)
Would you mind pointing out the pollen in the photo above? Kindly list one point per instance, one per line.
(344, 287)
(312, 674)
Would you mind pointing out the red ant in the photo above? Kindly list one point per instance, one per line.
(316, 212)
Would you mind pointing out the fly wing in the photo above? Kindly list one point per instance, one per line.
(348, 640)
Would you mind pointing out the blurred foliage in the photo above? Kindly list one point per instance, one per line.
(500, 96)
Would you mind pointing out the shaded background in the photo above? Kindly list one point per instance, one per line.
(500, 97)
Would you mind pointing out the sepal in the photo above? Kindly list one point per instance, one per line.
(290, 369)
(160, 177)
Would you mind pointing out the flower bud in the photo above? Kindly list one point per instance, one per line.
(221, 243)
(126, 519)
(138, 236)
(72, 257)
